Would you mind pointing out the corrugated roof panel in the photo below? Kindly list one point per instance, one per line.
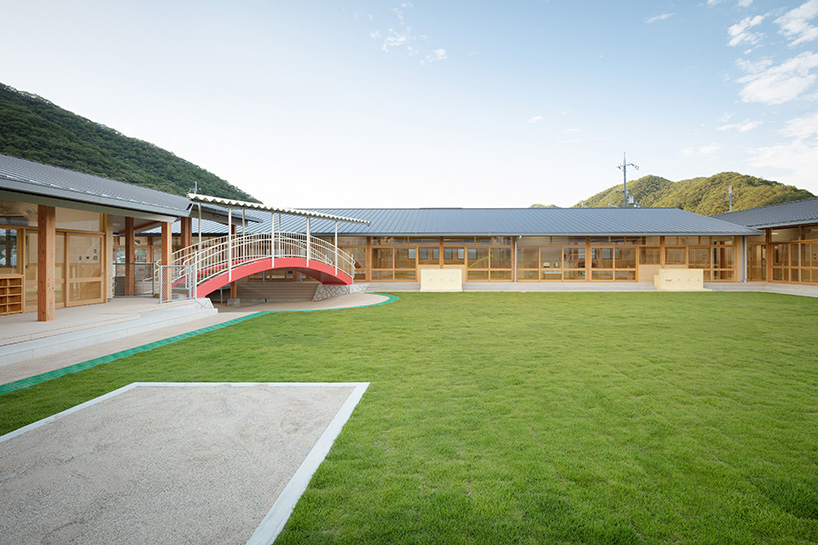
(515, 221)
(790, 213)
(41, 179)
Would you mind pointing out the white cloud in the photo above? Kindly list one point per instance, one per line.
(740, 127)
(802, 127)
(740, 33)
(660, 17)
(535, 119)
(798, 157)
(776, 84)
(744, 3)
(795, 24)
(435, 56)
(701, 151)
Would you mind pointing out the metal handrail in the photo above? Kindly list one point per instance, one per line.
(214, 256)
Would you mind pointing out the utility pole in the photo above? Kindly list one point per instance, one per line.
(730, 197)
(624, 167)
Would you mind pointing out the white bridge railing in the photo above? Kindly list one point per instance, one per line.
(223, 254)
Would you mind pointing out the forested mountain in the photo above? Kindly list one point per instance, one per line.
(36, 129)
(704, 196)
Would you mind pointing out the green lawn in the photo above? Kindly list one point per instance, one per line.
(532, 417)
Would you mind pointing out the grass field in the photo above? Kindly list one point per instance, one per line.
(532, 417)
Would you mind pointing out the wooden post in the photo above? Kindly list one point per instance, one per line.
(167, 250)
(46, 263)
(768, 244)
(130, 257)
(186, 235)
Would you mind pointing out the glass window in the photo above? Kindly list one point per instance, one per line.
(478, 258)
(551, 258)
(809, 232)
(405, 275)
(8, 251)
(528, 258)
(675, 256)
(77, 220)
(84, 258)
(427, 241)
(501, 275)
(601, 275)
(698, 258)
(457, 241)
(573, 241)
(527, 275)
(724, 258)
(551, 275)
(809, 255)
(574, 275)
(18, 213)
(785, 234)
(382, 274)
(382, 258)
(780, 255)
(574, 258)
(601, 258)
(534, 241)
(649, 255)
(625, 258)
(454, 256)
(501, 258)
(351, 241)
(477, 275)
(405, 258)
(625, 275)
(428, 256)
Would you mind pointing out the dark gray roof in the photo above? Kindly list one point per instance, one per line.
(23, 176)
(776, 215)
(506, 222)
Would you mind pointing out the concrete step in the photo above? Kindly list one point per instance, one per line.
(277, 291)
(72, 337)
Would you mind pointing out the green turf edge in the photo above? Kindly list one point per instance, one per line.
(37, 379)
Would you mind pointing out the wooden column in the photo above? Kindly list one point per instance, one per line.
(768, 244)
(46, 263)
(187, 234)
(167, 250)
(130, 257)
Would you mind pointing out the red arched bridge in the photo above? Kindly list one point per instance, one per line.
(208, 265)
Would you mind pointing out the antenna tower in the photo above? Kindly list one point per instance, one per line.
(624, 167)
(730, 197)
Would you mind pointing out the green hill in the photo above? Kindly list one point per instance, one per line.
(36, 129)
(704, 196)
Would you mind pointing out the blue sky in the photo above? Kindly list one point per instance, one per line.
(477, 104)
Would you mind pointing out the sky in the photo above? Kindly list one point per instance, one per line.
(364, 103)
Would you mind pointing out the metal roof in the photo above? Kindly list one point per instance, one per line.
(775, 215)
(258, 206)
(24, 176)
(454, 222)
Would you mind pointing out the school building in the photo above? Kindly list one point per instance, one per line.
(68, 239)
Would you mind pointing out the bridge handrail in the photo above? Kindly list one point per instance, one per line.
(213, 256)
